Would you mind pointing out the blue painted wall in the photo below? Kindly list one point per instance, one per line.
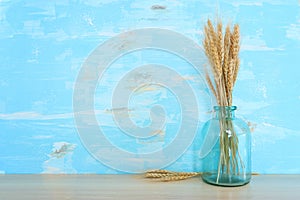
(43, 45)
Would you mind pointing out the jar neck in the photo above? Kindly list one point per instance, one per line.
(225, 112)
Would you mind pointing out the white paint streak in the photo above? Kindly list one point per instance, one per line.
(246, 75)
(248, 107)
(34, 116)
(247, 3)
(89, 20)
(258, 3)
(263, 89)
(66, 53)
(269, 133)
(41, 137)
(255, 43)
(293, 31)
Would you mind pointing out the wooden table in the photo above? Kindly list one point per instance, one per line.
(88, 187)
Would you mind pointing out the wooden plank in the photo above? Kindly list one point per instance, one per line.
(137, 187)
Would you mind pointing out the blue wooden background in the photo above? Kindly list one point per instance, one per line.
(43, 45)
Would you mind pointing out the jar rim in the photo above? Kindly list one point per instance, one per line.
(231, 108)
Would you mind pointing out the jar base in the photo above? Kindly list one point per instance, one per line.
(225, 180)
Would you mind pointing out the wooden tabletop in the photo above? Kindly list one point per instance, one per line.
(87, 187)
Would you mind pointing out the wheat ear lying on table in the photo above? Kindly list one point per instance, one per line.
(164, 175)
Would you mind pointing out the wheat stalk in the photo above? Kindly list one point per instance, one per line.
(220, 42)
(165, 176)
(211, 86)
(234, 50)
(211, 46)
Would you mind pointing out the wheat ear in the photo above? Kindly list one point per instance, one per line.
(164, 175)
(213, 53)
(234, 49)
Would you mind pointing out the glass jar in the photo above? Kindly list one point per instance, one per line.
(226, 149)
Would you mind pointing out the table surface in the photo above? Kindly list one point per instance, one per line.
(137, 187)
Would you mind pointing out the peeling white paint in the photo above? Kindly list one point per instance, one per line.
(266, 133)
(60, 159)
(34, 116)
(245, 74)
(255, 43)
(293, 31)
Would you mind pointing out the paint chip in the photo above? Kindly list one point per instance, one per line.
(158, 7)
(61, 149)
(252, 126)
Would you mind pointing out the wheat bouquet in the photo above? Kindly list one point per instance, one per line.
(222, 51)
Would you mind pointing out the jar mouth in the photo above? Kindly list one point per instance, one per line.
(229, 108)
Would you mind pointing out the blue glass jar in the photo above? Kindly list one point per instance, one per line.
(226, 149)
